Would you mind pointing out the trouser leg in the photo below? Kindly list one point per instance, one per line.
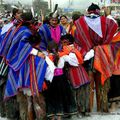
(2, 104)
(92, 87)
(22, 99)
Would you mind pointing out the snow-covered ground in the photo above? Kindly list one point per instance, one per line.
(3, 118)
(95, 116)
(100, 116)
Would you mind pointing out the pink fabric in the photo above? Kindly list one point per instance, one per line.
(55, 33)
(58, 71)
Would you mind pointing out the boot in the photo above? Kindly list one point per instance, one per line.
(113, 107)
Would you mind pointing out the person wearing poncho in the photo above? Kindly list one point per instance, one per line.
(7, 107)
(26, 69)
(93, 35)
(114, 92)
(59, 98)
(51, 32)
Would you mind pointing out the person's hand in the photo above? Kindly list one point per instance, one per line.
(89, 55)
(40, 54)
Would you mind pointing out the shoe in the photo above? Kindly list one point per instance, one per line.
(113, 107)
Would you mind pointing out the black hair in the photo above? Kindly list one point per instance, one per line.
(53, 48)
(118, 22)
(14, 11)
(93, 7)
(75, 16)
(27, 20)
(35, 39)
(27, 16)
(68, 37)
(63, 16)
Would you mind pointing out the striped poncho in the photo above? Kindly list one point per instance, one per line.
(87, 39)
(107, 59)
(45, 34)
(4, 36)
(18, 59)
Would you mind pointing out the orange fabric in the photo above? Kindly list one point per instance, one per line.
(117, 59)
(44, 87)
(50, 57)
(104, 62)
(79, 56)
(67, 49)
(116, 70)
(116, 38)
(72, 31)
(33, 77)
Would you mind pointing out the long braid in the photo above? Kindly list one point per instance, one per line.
(53, 48)
(56, 57)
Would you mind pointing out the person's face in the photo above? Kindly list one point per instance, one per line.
(63, 20)
(18, 15)
(65, 42)
(54, 22)
(107, 11)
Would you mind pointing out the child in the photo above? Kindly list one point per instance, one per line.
(59, 98)
(76, 73)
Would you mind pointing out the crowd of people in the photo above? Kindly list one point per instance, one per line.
(50, 70)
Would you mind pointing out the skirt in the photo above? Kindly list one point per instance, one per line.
(59, 97)
(78, 76)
